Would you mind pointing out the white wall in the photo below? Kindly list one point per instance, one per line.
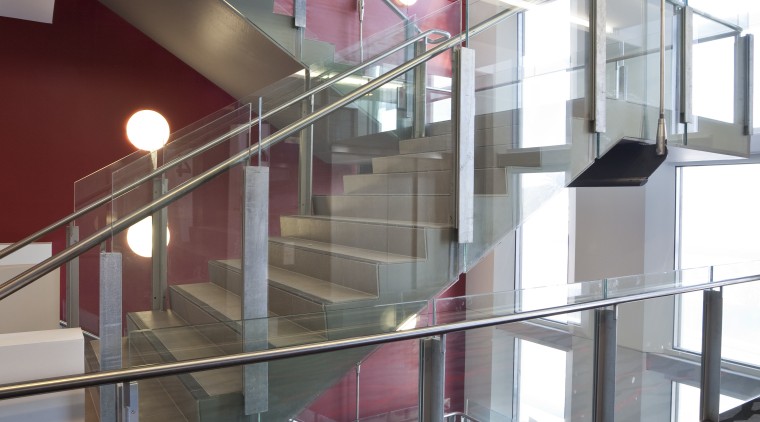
(37, 306)
(42, 354)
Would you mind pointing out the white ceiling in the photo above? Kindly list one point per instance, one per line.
(31, 10)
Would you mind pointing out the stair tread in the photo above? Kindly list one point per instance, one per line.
(378, 221)
(215, 299)
(314, 288)
(345, 251)
(151, 320)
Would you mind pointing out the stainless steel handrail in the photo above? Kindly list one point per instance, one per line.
(13, 285)
(71, 382)
(444, 35)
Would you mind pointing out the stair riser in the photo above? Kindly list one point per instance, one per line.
(283, 303)
(491, 181)
(485, 157)
(432, 209)
(501, 135)
(378, 237)
(501, 118)
(357, 275)
(407, 164)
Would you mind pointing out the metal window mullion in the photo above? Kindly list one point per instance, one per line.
(598, 26)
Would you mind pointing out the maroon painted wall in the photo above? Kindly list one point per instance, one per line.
(67, 90)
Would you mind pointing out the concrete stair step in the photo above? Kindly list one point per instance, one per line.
(343, 251)
(431, 161)
(415, 208)
(500, 118)
(487, 181)
(488, 136)
(198, 301)
(485, 157)
(551, 158)
(397, 239)
(316, 290)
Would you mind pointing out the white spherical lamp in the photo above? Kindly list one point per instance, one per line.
(140, 237)
(147, 130)
(406, 3)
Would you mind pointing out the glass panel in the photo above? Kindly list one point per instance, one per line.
(347, 32)
(633, 71)
(313, 388)
(87, 190)
(201, 228)
(531, 126)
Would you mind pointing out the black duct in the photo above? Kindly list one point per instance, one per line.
(629, 163)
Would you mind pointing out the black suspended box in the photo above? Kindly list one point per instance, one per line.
(629, 163)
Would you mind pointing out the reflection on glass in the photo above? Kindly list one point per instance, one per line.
(542, 383)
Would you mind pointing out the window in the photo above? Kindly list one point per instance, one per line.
(719, 223)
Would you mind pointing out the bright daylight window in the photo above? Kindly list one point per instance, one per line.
(543, 237)
(720, 224)
(543, 373)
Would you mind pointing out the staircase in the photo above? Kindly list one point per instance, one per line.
(386, 240)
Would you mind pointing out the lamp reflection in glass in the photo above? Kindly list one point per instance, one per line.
(147, 130)
(140, 237)
(406, 3)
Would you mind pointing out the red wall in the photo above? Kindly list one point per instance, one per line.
(389, 377)
(67, 90)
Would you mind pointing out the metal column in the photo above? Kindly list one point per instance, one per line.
(72, 280)
(158, 255)
(110, 330)
(464, 130)
(605, 348)
(686, 74)
(306, 155)
(255, 285)
(712, 325)
(432, 376)
(419, 111)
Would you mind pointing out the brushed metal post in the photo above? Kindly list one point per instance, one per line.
(159, 253)
(605, 349)
(432, 377)
(72, 279)
(299, 13)
(687, 70)
(464, 151)
(746, 80)
(255, 285)
(306, 156)
(712, 326)
(110, 330)
(598, 28)
(358, 383)
(130, 401)
(419, 112)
